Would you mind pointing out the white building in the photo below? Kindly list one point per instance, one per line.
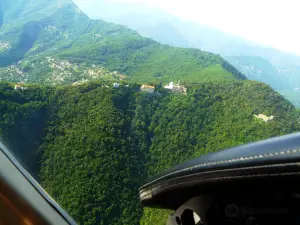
(147, 88)
(176, 87)
(264, 117)
(170, 86)
(19, 87)
(116, 85)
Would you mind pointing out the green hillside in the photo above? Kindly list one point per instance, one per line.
(53, 42)
(97, 144)
(91, 145)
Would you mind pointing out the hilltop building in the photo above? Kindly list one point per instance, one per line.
(264, 117)
(176, 87)
(116, 85)
(147, 88)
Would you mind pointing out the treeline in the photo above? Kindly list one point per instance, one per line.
(22, 120)
(99, 144)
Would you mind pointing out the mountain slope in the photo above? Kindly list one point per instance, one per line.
(91, 145)
(168, 29)
(98, 144)
(147, 18)
(285, 80)
(55, 43)
(259, 69)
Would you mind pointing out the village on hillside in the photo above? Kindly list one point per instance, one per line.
(4, 46)
(144, 87)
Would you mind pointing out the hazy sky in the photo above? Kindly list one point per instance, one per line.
(271, 22)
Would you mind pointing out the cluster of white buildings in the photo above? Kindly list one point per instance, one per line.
(176, 87)
(150, 89)
(19, 87)
(171, 86)
(117, 85)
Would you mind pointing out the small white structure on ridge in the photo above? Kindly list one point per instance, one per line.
(176, 87)
(264, 117)
(147, 88)
(170, 86)
(116, 85)
(20, 87)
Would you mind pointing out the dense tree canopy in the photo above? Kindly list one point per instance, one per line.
(91, 145)
(94, 145)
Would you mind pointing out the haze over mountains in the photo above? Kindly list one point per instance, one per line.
(91, 143)
(279, 69)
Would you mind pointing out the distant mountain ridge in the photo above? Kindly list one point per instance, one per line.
(139, 16)
(168, 29)
(259, 69)
(81, 49)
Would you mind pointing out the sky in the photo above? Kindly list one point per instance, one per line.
(273, 23)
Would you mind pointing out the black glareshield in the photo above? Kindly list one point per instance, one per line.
(256, 183)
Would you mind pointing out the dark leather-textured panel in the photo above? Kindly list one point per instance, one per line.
(274, 160)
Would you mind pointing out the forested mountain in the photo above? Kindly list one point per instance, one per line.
(53, 42)
(91, 146)
(168, 29)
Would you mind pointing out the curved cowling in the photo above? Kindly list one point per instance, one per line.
(255, 167)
